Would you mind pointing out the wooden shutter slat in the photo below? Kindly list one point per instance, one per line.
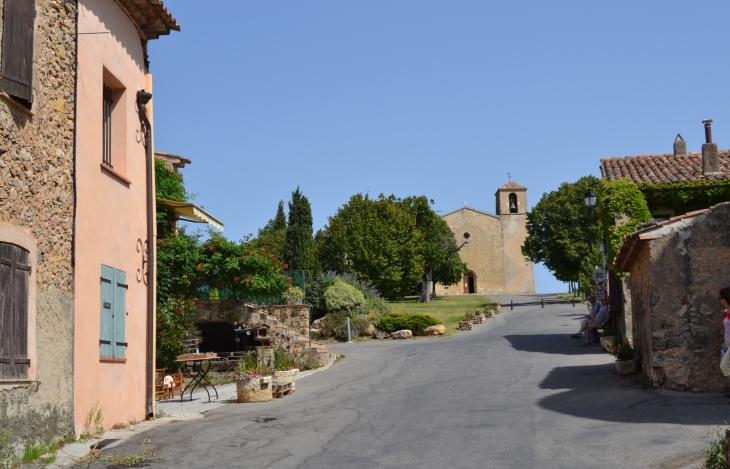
(106, 335)
(120, 313)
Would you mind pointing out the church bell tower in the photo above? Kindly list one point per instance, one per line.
(512, 210)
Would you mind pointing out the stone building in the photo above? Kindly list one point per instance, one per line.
(37, 65)
(664, 173)
(493, 246)
(676, 269)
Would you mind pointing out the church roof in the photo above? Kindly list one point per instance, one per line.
(473, 210)
(512, 186)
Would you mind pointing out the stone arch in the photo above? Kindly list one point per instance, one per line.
(513, 207)
(469, 282)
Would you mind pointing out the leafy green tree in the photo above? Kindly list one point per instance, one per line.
(241, 269)
(378, 240)
(564, 234)
(273, 235)
(299, 244)
(168, 185)
(438, 246)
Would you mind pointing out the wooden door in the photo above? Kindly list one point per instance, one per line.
(14, 279)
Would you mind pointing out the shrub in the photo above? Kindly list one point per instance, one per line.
(374, 305)
(415, 322)
(715, 456)
(296, 294)
(335, 325)
(343, 297)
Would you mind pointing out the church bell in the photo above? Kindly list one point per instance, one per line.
(512, 206)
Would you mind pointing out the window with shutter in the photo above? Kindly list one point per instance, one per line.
(14, 276)
(16, 64)
(113, 314)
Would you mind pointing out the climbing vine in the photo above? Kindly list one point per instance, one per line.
(623, 209)
(688, 196)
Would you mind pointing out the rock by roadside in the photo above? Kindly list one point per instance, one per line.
(403, 334)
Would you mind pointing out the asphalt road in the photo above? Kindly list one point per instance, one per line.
(516, 392)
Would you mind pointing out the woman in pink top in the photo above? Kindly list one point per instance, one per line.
(725, 302)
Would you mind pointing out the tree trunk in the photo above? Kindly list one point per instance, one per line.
(426, 286)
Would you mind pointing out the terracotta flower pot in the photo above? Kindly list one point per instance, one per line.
(254, 390)
(627, 367)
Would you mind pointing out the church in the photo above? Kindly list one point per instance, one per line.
(493, 246)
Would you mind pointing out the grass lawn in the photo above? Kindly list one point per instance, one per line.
(447, 309)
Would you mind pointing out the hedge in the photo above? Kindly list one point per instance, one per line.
(415, 322)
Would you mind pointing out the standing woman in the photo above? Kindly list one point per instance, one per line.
(725, 302)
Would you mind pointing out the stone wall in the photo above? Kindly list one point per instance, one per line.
(676, 312)
(36, 194)
(231, 311)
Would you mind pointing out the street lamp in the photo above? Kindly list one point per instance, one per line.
(590, 198)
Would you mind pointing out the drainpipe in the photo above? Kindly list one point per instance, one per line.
(142, 99)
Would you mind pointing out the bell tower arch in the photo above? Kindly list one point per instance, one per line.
(512, 210)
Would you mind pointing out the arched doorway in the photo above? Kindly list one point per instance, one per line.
(469, 282)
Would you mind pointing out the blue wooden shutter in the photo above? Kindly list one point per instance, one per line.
(106, 347)
(120, 313)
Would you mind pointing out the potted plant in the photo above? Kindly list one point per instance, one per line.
(285, 368)
(251, 385)
(625, 359)
(608, 339)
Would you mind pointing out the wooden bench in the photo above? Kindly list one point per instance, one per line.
(281, 389)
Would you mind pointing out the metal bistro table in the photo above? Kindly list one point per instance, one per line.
(193, 365)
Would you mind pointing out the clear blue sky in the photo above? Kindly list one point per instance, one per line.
(421, 97)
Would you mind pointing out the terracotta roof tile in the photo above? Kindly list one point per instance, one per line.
(663, 169)
(512, 186)
(151, 16)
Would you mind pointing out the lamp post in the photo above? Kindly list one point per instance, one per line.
(590, 200)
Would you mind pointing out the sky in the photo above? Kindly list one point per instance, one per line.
(442, 99)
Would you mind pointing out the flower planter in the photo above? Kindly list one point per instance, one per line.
(627, 367)
(290, 375)
(608, 343)
(254, 390)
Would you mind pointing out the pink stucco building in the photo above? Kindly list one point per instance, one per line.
(114, 334)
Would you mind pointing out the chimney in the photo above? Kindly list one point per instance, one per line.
(680, 146)
(710, 158)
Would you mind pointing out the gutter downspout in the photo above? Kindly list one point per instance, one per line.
(142, 99)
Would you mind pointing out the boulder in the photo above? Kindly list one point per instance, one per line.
(404, 334)
(434, 330)
(315, 334)
(380, 334)
(318, 324)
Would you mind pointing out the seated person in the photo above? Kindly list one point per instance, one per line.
(598, 322)
(595, 306)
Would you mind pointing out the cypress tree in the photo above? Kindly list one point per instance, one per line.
(299, 242)
(279, 222)
(272, 236)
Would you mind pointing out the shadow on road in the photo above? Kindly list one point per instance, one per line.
(597, 392)
(550, 343)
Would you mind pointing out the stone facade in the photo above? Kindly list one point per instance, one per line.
(677, 268)
(493, 250)
(36, 212)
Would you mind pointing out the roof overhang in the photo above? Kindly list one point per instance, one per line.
(191, 212)
(151, 17)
